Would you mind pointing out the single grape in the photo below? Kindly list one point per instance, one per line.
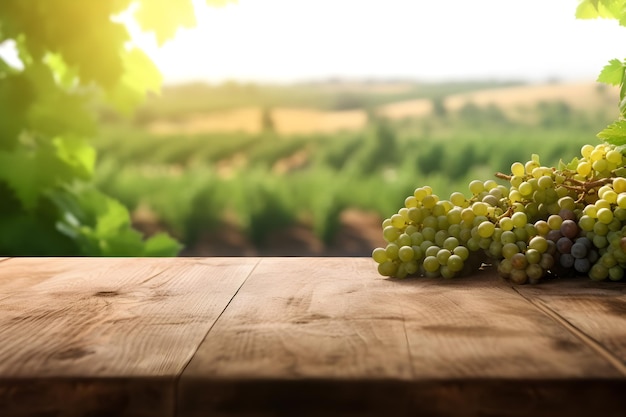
(579, 250)
(406, 253)
(566, 260)
(379, 255)
(455, 263)
(569, 228)
(564, 245)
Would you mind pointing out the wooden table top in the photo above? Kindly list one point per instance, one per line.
(299, 337)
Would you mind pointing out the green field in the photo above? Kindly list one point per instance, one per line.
(192, 184)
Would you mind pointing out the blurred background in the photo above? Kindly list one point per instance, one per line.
(296, 127)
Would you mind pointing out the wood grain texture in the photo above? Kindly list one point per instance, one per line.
(328, 335)
(595, 309)
(84, 322)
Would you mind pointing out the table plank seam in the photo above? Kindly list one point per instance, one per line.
(177, 381)
(408, 344)
(579, 334)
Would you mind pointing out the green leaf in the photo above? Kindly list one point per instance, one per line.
(593, 9)
(165, 17)
(140, 76)
(76, 152)
(613, 9)
(613, 72)
(587, 9)
(614, 134)
(161, 244)
(573, 164)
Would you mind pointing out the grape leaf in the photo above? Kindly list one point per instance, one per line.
(613, 72)
(140, 77)
(164, 17)
(593, 9)
(615, 133)
(77, 153)
(101, 226)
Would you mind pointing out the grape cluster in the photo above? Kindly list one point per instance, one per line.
(542, 222)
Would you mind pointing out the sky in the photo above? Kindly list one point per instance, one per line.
(429, 40)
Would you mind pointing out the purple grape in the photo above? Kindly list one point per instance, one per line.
(582, 265)
(567, 214)
(569, 228)
(554, 235)
(585, 241)
(566, 260)
(579, 250)
(564, 245)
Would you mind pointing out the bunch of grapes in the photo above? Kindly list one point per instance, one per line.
(568, 220)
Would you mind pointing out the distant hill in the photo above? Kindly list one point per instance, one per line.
(308, 108)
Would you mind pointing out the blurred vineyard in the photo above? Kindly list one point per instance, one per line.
(313, 169)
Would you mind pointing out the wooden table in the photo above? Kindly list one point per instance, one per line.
(299, 337)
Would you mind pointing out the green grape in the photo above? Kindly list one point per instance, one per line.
(586, 223)
(583, 168)
(476, 187)
(462, 252)
(417, 238)
(486, 229)
(455, 263)
(555, 221)
(533, 256)
(616, 273)
(391, 250)
(410, 202)
(446, 272)
(406, 253)
(519, 219)
(397, 221)
(495, 249)
(432, 250)
(598, 272)
(454, 216)
(504, 268)
(509, 249)
(387, 268)
(425, 245)
(508, 237)
(431, 264)
(391, 233)
(442, 256)
(480, 209)
(411, 267)
(450, 243)
(538, 243)
(430, 221)
(534, 272)
(517, 168)
(401, 272)
(415, 215)
(518, 276)
(605, 215)
(418, 253)
(379, 255)
(429, 233)
(403, 240)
